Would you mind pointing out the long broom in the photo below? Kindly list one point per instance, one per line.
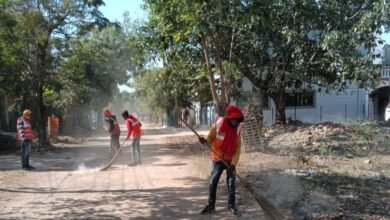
(114, 157)
(269, 211)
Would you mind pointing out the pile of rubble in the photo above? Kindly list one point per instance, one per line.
(287, 139)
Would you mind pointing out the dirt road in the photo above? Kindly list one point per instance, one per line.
(68, 185)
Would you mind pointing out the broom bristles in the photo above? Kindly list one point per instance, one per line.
(269, 211)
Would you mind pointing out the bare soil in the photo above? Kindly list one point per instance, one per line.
(172, 182)
(67, 183)
(296, 176)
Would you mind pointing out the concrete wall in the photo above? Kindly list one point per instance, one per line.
(349, 104)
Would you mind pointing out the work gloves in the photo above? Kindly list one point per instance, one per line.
(202, 140)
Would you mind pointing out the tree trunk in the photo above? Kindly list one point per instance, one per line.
(279, 98)
(42, 74)
(224, 96)
(205, 44)
(4, 119)
(260, 116)
(43, 140)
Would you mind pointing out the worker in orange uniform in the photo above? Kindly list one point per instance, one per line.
(134, 132)
(225, 139)
(114, 130)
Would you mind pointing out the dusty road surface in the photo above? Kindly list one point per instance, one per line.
(68, 185)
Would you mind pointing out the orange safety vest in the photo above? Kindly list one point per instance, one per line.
(136, 128)
(217, 143)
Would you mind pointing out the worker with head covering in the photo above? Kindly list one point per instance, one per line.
(225, 139)
(114, 131)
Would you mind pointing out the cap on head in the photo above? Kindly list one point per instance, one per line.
(107, 113)
(27, 113)
(232, 112)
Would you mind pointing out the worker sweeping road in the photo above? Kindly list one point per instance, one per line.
(224, 137)
(114, 130)
(134, 132)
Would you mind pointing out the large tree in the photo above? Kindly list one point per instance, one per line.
(198, 26)
(279, 45)
(307, 43)
(94, 67)
(44, 28)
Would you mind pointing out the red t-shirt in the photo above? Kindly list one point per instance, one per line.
(133, 127)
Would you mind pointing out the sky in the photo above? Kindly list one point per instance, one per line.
(114, 9)
(386, 37)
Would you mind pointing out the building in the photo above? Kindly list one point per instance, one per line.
(380, 96)
(318, 105)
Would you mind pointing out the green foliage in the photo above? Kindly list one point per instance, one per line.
(277, 44)
(196, 33)
(148, 93)
(328, 43)
(332, 151)
(161, 91)
(95, 66)
(368, 138)
(9, 49)
(36, 36)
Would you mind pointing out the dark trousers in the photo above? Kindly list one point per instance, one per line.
(216, 172)
(25, 152)
(114, 143)
(135, 150)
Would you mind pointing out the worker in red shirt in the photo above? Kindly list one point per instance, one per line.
(134, 132)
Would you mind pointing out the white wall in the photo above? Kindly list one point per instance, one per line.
(349, 104)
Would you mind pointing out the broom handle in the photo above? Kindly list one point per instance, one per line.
(114, 157)
(270, 211)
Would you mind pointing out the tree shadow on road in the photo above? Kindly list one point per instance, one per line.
(160, 203)
(82, 158)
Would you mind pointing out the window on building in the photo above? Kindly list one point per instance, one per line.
(300, 99)
(384, 73)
